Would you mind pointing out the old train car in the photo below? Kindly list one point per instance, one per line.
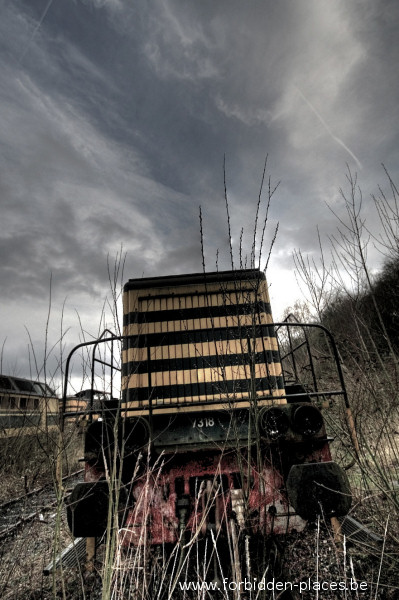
(26, 407)
(208, 433)
(85, 406)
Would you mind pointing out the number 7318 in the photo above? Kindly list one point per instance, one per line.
(204, 422)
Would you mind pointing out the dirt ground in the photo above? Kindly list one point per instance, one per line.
(312, 559)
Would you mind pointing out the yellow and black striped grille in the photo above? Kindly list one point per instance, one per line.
(192, 341)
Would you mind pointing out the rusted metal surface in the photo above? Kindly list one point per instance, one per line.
(211, 484)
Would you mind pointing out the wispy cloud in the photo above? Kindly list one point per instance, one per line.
(328, 129)
(36, 29)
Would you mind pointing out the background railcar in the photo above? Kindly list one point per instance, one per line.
(26, 406)
(84, 406)
(227, 433)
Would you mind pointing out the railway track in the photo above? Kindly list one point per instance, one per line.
(16, 512)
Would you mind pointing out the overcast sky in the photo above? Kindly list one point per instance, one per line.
(115, 118)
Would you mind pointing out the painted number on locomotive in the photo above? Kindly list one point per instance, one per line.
(204, 422)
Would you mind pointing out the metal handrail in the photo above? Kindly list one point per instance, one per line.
(277, 325)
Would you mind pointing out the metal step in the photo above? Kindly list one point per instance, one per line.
(355, 531)
(70, 557)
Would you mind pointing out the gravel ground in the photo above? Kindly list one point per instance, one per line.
(309, 558)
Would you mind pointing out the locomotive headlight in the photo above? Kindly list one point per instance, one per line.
(274, 422)
(307, 420)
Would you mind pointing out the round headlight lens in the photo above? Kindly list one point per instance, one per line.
(274, 422)
(307, 420)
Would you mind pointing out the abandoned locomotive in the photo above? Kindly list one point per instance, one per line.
(215, 425)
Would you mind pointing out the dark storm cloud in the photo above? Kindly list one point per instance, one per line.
(116, 116)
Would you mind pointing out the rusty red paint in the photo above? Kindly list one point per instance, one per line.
(154, 518)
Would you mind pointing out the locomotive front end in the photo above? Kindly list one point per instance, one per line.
(210, 437)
